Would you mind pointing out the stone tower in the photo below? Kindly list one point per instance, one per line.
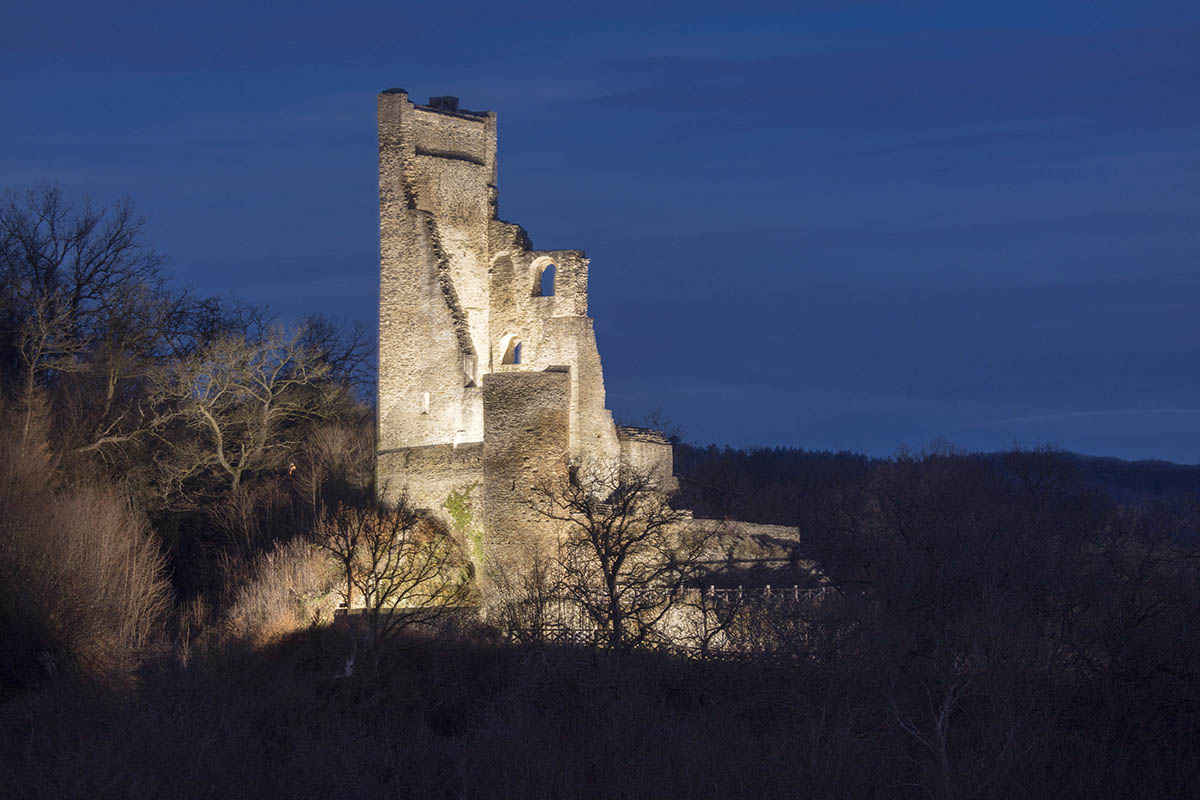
(490, 381)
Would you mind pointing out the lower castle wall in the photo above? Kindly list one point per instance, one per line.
(526, 444)
(652, 458)
(429, 475)
(741, 546)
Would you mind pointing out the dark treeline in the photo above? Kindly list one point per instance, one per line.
(773, 484)
(760, 485)
(1015, 624)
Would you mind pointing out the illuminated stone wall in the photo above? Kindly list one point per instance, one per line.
(489, 374)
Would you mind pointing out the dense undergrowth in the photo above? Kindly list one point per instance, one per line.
(991, 633)
(478, 719)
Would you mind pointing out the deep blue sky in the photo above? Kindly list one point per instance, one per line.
(833, 224)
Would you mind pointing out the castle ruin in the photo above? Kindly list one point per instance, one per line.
(490, 381)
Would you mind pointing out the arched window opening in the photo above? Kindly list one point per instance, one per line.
(546, 281)
(512, 352)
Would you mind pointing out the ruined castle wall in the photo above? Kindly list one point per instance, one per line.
(525, 446)
(554, 330)
(444, 482)
(421, 378)
(517, 307)
(572, 340)
(651, 458)
(460, 136)
(435, 204)
(437, 192)
(735, 530)
(428, 475)
(420, 351)
(456, 193)
(460, 417)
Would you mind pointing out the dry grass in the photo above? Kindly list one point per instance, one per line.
(281, 591)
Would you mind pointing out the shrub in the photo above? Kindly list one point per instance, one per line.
(281, 591)
(83, 579)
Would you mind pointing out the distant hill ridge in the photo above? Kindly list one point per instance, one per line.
(772, 484)
(1131, 481)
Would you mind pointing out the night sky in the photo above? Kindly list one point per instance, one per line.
(842, 225)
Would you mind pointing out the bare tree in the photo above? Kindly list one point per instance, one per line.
(526, 604)
(243, 398)
(346, 349)
(399, 568)
(86, 316)
(627, 556)
(64, 270)
(335, 464)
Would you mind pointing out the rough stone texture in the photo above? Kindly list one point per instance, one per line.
(444, 468)
(460, 289)
(734, 540)
(650, 452)
(525, 447)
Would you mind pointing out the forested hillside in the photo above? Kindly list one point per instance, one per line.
(773, 485)
(186, 497)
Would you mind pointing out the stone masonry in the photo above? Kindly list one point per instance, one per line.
(490, 381)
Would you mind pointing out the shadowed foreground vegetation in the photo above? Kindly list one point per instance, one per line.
(186, 495)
